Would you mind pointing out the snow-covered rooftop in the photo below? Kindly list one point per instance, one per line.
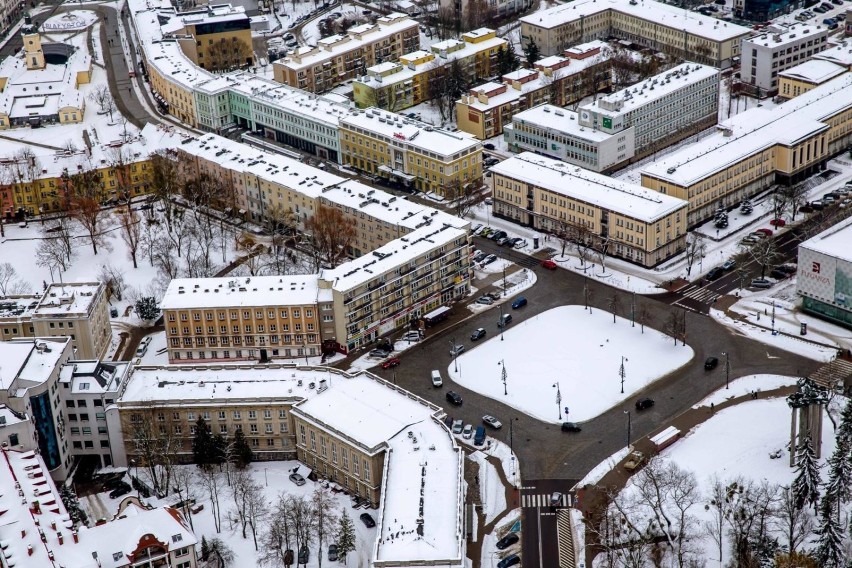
(9, 416)
(25, 363)
(563, 120)
(93, 377)
(185, 293)
(18, 307)
(780, 35)
(422, 484)
(652, 89)
(752, 131)
(597, 189)
(67, 299)
(648, 10)
(840, 54)
(412, 132)
(834, 241)
(814, 71)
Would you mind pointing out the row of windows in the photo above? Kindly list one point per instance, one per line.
(246, 314)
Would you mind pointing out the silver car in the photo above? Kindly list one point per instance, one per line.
(489, 420)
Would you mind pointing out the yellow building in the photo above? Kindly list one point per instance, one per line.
(338, 58)
(214, 37)
(756, 149)
(410, 152)
(682, 33)
(630, 222)
(806, 76)
(396, 86)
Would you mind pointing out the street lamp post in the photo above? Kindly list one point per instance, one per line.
(627, 412)
(727, 371)
(558, 399)
(622, 373)
(305, 349)
(504, 279)
(455, 355)
(504, 375)
(633, 309)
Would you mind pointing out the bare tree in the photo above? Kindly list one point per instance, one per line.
(278, 534)
(25, 171)
(564, 233)
(121, 161)
(719, 507)
(113, 279)
(673, 325)
(131, 232)
(153, 443)
(60, 229)
(85, 207)
(221, 552)
(750, 519)
(325, 514)
(256, 509)
(50, 253)
(583, 239)
(302, 520)
(185, 484)
(330, 233)
(10, 284)
(103, 98)
(210, 478)
(228, 54)
(612, 304)
(166, 180)
(478, 14)
(794, 522)
(795, 196)
(696, 248)
(643, 317)
(463, 196)
(764, 253)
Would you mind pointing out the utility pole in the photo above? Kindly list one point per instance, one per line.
(727, 371)
(633, 308)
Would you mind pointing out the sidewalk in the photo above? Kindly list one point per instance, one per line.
(592, 499)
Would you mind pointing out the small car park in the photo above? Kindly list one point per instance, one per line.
(507, 541)
(458, 426)
(368, 520)
(454, 398)
(571, 427)
(477, 334)
(297, 479)
(711, 363)
(391, 363)
(644, 403)
(491, 421)
(437, 380)
(548, 264)
(519, 303)
(761, 283)
(467, 432)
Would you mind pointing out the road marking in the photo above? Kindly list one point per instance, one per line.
(542, 500)
(703, 295)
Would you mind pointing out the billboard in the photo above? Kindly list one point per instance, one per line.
(825, 278)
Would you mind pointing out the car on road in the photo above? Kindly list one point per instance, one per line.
(297, 479)
(437, 380)
(762, 283)
(477, 334)
(511, 560)
(458, 426)
(711, 363)
(519, 303)
(368, 520)
(488, 146)
(548, 264)
(456, 350)
(304, 555)
(715, 273)
(467, 432)
(644, 403)
(504, 320)
(485, 300)
(507, 541)
(454, 398)
(571, 427)
(391, 363)
(634, 460)
(729, 264)
(491, 421)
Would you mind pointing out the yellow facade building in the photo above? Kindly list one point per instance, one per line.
(806, 76)
(216, 38)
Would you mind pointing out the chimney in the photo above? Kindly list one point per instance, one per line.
(60, 537)
(29, 550)
(23, 533)
(53, 525)
(75, 536)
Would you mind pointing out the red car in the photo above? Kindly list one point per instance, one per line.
(548, 264)
(778, 222)
(390, 363)
(767, 232)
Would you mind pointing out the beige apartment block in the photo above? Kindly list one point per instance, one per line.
(663, 27)
(636, 224)
(16, 316)
(341, 57)
(809, 75)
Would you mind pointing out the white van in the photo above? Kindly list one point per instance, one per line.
(437, 381)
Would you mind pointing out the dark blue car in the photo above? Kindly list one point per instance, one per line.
(519, 303)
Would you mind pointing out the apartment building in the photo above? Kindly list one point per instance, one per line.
(88, 389)
(555, 132)
(778, 49)
(663, 27)
(410, 152)
(756, 149)
(806, 76)
(16, 316)
(496, 9)
(636, 224)
(214, 37)
(257, 318)
(41, 183)
(560, 80)
(31, 388)
(341, 57)
(77, 310)
(398, 85)
(661, 109)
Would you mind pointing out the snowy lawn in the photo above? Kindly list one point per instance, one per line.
(745, 385)
(576, 349)
(491, 490)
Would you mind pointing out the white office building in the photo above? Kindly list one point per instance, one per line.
(780, 48)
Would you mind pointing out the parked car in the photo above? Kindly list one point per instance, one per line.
(778, 274)
(411, 336)
(806, 208)
(764, 231)
(391, 363)
(778, 222)
(456, 350)
(454, 398)
(762, 283)
(367, 519)
(477, 334)
(332, 552)
(507, 541)
(498, 235)
(571, 427)
(458, 426)
(297, 479)
(555, 499)
(634, 460)
(845, 203)
(488, 146)
(749, 240)
(548, 264)
(479, 436)
(511, 560)
(715, 272)
(485, 300)
(817, 205)
(521, 243)
(304, 555)
(437, 380)
(519, 303)
(502, 241)
(729, 264)
(119, 491)
(141, 350)
(476, 228)
(467, 432)
(504, 320)
(489, 259)
(711, 363)
(491, 421)
(644, 403)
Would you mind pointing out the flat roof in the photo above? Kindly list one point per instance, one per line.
(780, 35)
(556, 118)
(18, 307)
(814, 71)
(72, 298)
(597, 189)
(653, 88)
(412, 132)
(750, 132)
(648, 10)
(834, 241)
(840, 54)
(93, 377)
(254, 291)
(23, 364)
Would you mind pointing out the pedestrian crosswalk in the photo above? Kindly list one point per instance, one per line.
(543, 500)
(703, 295)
